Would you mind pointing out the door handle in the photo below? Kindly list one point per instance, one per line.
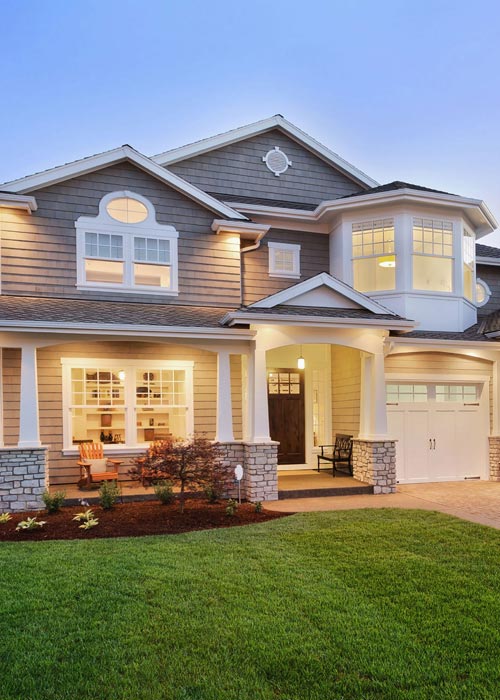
(430, 443)
(434, 443)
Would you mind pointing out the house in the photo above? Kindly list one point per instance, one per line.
(256, 287)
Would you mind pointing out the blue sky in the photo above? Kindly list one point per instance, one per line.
(404, 91)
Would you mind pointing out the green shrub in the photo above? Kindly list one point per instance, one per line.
(212, 494)
(88, 524)
(5, 517)
(53, 501)
(231, 507)
(164, 492)
(258, 507)
(108, 494)
(83, 517)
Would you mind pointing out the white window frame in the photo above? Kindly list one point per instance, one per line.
(129, 408)
(441, 256)
(467, 236)
(368, 227)
(295, 249)
(487, 292)
(149, 228)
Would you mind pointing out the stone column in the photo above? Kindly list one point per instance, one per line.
(260, 480)
(494, 441)
(23, 478)
(374, 462)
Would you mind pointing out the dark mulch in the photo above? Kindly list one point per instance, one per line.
(134, 520)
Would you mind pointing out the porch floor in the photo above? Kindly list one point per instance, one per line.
(309, 483)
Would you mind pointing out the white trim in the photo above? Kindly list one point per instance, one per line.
(245, 229)
(275, 122)
(18, 201)
(292, 247)
(436, 378)
(102, 160)
(129, 408)
(494, 262)
(323, 279)
(103, 223)
(485, 221)
(238, 317)
(287, 162)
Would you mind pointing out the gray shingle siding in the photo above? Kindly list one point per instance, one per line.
(238, 169)
(491, 275)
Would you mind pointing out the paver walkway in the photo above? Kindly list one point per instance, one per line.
(478, 501)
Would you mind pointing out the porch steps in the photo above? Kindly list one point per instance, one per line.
(324, 493)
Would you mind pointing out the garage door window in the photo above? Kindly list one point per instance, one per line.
(439, 393)
(464, 393)
(407, 393)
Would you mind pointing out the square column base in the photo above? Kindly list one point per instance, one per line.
(23, 478)
(260, 468)
(494, 442)
(374, 462)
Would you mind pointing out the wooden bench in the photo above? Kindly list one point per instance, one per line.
(339, 455)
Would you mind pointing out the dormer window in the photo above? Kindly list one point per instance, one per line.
(374, 259)
(125, 248)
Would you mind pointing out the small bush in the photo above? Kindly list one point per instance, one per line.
(83, 517)
(231, 507)
(164, 492)
(30, 524)
(108, 494)
(258, 507)
(212, 494)
(5, 517)
(88, 524)
(53, 501)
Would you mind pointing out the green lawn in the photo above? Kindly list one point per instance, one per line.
(362, 604)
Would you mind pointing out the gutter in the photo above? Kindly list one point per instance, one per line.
(233, 318)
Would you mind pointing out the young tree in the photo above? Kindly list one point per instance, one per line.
(186, 463)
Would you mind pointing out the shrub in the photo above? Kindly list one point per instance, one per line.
(83, 517)
(88, 524)
(187, 463)
(5, 517)
(258, 507)
(30, 524)
(53, 501)
(164, 492)
(211, 493)
(108, 494)
(231, 507)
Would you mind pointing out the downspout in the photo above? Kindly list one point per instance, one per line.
(246, 250)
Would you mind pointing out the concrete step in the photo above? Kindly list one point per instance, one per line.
(323, 493)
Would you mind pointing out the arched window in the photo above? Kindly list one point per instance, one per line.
(125, 248)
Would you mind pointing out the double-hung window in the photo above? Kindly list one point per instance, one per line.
(468, 252)
(284, 259)
(125, 248)
(432, 255)
(374, 259)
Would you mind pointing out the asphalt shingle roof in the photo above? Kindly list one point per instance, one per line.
(114, 313)
(474, 333)
(490, 323)
(397, 185)
(487, 251)
(318, 311)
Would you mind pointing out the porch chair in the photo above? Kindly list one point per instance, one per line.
(94, 466)
(339, 454)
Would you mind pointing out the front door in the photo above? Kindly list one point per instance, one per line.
(285, 389)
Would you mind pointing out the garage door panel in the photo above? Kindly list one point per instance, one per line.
(416, 445)
(443, 456)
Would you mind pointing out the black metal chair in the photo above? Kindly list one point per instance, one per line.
(340, 456)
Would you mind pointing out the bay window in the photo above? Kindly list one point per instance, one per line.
(127, 403)
(432, 255)
(125, 248)
(468, 252)
(374, 259)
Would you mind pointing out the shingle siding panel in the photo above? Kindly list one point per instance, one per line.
(238, 169)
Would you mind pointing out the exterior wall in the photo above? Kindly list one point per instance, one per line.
(346, 390)
(439, 363)
(490, 275)
(256, 282)
(23, 478)
(237, 169)
(64, 469)
(39, 251)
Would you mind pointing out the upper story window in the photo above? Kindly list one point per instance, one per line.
(468, 252)
(284, 259)
(432, 255)
(374, 259)
(125, 248)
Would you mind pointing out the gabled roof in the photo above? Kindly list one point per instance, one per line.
(399, 185)
(275, 122)
(487, 254)
(127, 153)
(356, 299)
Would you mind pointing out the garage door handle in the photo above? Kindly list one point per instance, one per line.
(430, 443)
(434, 443)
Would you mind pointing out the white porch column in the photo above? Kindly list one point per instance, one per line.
(29, 430)
(258, 410)
(373, 410)
(224, 430)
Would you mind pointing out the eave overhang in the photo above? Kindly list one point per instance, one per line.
(240, 317)
(10, 200)
(245, 230)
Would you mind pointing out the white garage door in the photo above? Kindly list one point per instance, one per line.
(441, 430)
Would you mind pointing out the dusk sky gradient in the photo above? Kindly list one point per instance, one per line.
(406, 91)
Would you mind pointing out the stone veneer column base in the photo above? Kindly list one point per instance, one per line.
(494, 441)
(374, 462)
(23, 478)
(260, 468)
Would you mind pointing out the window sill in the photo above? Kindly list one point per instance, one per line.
(151, 291)
(284, 275)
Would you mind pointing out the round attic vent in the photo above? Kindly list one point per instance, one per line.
(277, 161)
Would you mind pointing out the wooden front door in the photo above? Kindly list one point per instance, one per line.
(285, 390)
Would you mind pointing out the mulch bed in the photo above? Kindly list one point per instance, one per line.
(134, 520)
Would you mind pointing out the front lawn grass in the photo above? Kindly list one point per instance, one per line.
(381, 604)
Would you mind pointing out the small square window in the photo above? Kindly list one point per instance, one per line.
(284, 260)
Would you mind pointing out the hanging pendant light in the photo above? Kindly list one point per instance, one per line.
(301, 363)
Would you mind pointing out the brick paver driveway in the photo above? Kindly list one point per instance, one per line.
(478, 501)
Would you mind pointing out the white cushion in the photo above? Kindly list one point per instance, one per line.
(97, 466)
